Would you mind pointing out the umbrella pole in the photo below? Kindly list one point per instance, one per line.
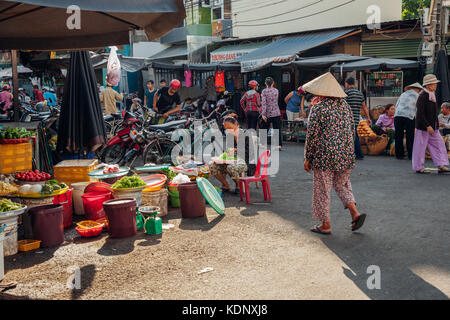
(15, 76)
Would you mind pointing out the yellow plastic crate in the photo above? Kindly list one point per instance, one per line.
(72, 171)
(16, 157)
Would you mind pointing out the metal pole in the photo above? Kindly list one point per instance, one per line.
(15, 76)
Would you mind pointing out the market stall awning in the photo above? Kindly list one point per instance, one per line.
(129, 64)
(374, 64)
(47, 25)
(232, 52)
(327, 61)
(7, 73)
(171, 52)
(212, 66)
(286, 49)
(162, 65)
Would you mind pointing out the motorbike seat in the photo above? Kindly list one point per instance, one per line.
(108, 118)
(168, 126)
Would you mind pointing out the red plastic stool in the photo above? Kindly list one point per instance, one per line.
(263, 177)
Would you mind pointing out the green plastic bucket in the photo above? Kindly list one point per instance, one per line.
(174, 199)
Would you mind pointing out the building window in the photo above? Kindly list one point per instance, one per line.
(227, 9)
(217, 13)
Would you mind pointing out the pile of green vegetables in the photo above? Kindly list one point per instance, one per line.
(169, 173)
(7, 205)
(129, 182)
(51, 186)
(226, 156)
(16, 133)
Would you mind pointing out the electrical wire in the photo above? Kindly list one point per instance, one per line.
(281, 14)
(402, 38)
(294, 19)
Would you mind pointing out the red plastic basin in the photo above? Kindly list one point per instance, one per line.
(93, 204)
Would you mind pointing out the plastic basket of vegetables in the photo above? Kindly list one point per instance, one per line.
(15, 135)
(9, 208)
(50, 189)
(129, 187)
(129, 183)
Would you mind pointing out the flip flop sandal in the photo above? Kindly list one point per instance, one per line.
(317, 230)
(359, 222)
(423, 172)
(440, 171)
(8, 285)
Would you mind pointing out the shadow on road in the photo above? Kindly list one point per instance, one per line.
(407, 224)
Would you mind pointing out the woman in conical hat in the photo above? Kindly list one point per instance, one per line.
(329, 151)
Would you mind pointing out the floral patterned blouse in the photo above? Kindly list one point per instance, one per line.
(269, 98)
(330, 136)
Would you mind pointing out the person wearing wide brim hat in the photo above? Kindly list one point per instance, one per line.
(427, 130)
(329, 151)
(415, 85)
(405, 113)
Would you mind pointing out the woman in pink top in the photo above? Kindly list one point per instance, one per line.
(270, 111)
(6, 97)
(386, 120)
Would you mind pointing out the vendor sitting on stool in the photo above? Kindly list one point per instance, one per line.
(386, 120)
(240, 167)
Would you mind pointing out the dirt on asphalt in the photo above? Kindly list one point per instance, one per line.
(257, 251)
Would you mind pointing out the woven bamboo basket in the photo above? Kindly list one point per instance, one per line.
(376, 148)
(157, 199)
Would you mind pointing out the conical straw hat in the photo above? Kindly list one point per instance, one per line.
(414, 85)
(326, 85)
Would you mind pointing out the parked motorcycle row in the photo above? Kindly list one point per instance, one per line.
(133, 135)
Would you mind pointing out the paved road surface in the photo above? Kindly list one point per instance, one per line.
(266, 251)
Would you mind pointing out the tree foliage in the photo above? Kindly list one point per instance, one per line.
(410, 8)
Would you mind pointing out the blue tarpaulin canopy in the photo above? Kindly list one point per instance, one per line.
(327, 61)
(286, 49)
(374, 64)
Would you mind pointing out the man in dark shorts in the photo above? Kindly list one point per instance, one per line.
(356, 100)
(166, 98)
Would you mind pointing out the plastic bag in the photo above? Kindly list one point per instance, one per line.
(181, 178)
(113, 68)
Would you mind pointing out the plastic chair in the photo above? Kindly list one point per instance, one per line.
(263, 177)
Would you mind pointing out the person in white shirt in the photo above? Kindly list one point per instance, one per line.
(405, 112)
(444, 118)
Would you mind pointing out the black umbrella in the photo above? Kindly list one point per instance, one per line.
(81, 126)
(442, 73)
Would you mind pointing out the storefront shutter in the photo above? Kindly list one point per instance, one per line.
(407, 48)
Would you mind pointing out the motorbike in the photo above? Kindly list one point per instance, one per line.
(118, 145)
(153, 146)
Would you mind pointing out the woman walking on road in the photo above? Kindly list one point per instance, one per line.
(251, 103)
(270, 110)
(427, 130)
(329, 151)
(405, 112)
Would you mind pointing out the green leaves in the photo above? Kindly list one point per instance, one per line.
(16, 133)
(410, 8)
(129, 182)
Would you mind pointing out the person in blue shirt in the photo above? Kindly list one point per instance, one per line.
(50, 97)
(295, 102)
(149, 94)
